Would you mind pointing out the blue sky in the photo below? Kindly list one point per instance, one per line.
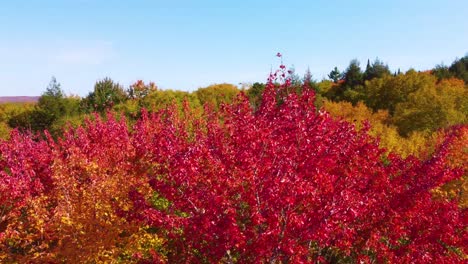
(185, 45)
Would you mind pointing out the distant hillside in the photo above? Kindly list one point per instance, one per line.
(18, 99)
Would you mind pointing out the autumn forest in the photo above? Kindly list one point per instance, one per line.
(368, 165)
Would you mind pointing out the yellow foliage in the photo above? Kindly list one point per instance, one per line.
(217, 94)
(432, 107)
(388, 91)
(390, 139)
(85, 216)
(4, 130)
(7, 111)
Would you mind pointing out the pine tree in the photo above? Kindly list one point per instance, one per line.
(353, 75)
(375, 70)
(335, 75)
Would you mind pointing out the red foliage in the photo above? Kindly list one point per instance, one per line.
(284, 184)
(287, 184)
(25, 173)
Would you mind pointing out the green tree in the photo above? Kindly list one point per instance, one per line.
(441, 72)
(388, 91)
(52, 101)
(459, 69)
(36, 120)
(335, 75)
(376, 70)
(52, 106)
(54, 89)
(254, 94)
(70, 117)
(350, 90)
(106, 94)
(353, 75)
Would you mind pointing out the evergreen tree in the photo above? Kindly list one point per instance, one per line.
(353, 75)
(335, 75)
(376, 70)
(54, 89)
(459, 69)
(368, 68)
(50, 107)
(442, 72)
(52, 100)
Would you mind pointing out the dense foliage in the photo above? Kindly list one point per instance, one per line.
(281, 182)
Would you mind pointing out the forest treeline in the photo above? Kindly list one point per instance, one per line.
(405, 109)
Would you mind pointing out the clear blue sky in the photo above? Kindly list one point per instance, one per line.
(190, 44)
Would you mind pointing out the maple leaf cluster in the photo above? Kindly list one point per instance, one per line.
(283, 184)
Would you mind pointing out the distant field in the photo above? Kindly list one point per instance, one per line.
(18, 99)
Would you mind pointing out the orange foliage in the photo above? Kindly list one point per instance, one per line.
(458, 158)
(380, 127)
(92, 174)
